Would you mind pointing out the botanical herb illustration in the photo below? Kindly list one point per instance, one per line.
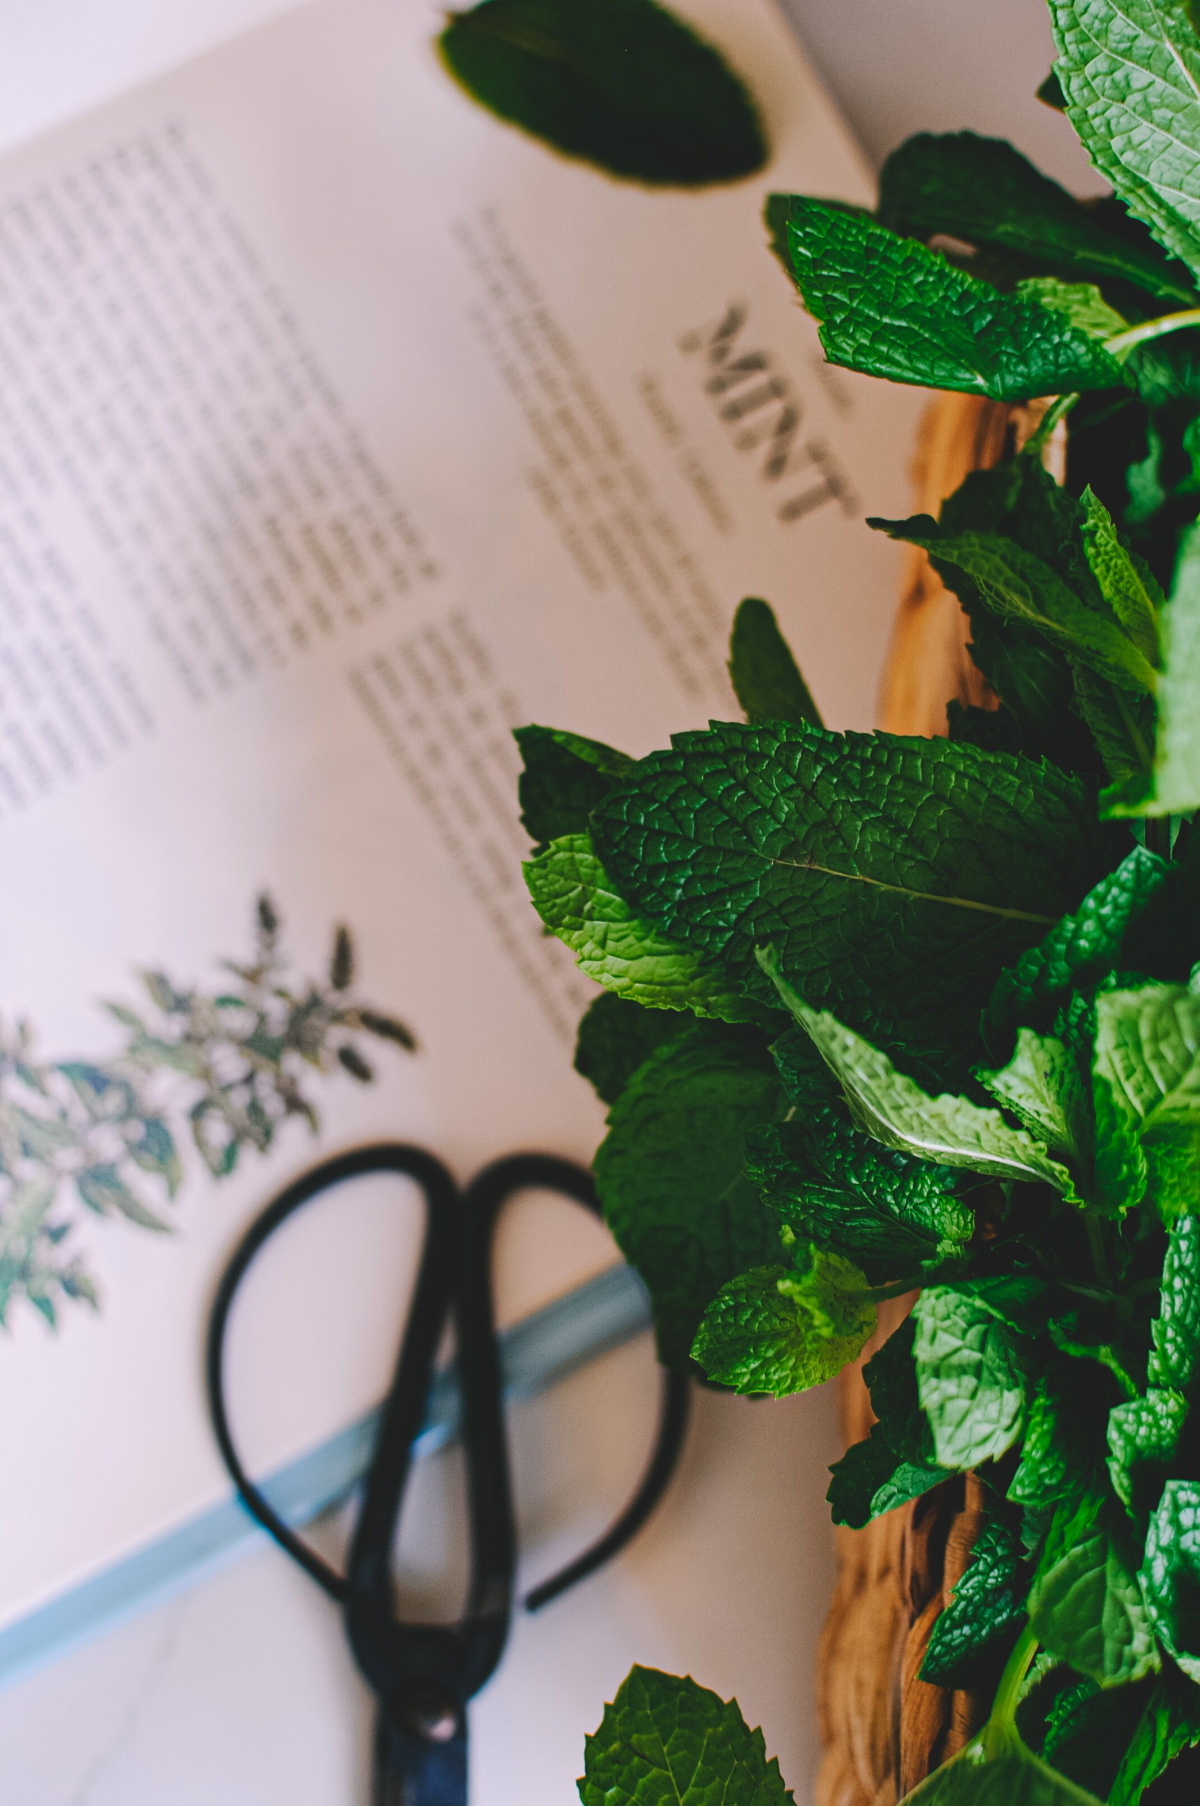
(226, 1068)
(885, 1014)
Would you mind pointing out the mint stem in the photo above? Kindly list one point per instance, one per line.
(1121, 344)
(1004, 1708)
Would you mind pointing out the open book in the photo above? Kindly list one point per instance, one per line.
(344, 430)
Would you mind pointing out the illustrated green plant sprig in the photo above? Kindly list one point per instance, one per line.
(232, 1065)
(883, 1013)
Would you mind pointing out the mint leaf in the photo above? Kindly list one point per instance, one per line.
(1170, 1574)
(615, 1037)
(564, 777)
(1018, 586)
(894, 1463)
(893, 1108)
(670, 1175)
(1088, 1732)
(665, 1739)
(1080, 302)
(781, 1330)
(1126, 582)
(1055, 1452)
(1087, 1608)
(620, 83)
(892, 875)
(1147, 1080)
(891, 307)
(973, 1631)
(1042, 1085)
(996, 1766)
(765, 676)
(984, 192)
(870, 1479)
(835, 1186)
(970, 1376)
(1175, 1356)
(1169, 1725)
(1173, 787)
(1143, 1436)
(1129, 71)
(574, 897)
(1079, 950)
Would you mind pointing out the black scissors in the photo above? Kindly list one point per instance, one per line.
(424, 1675)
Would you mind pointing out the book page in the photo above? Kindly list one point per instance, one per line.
(345, 429)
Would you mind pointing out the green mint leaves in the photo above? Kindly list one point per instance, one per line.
(665, 1739)
(573, 896)
(670, 1176)
(986, 194)
(623, 84)
(892, 876)
(765, 676)
(1173, 785)
(891, 307)
(893, 1108)
(777, 1330)
(1129, 71)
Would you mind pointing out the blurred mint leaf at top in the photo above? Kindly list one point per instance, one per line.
(665, 1739)
(1129, 71)
(621, 84)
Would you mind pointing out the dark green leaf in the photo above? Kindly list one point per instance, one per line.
(984, 192)
(1089, 1729)
(998, 1767)
(664, 1739)
(615, 1037)
(838, 1187)
(1043, 1087)
(1169, 1724)
(895, 1111)
(1054, 1454)
(970, 1376)
(1173, 787)
(563, 779)
(765, 676)
(1087, 1608)
(1175, 1356)
(625, 953)
(893, 876)
(1147, 1076)
(670, 1173)
(972, 1633)
(1126, 582)
(1129, 71)
(1170, 1575)
(781, 1330)
(870, 1479)
(1143, 1435)
(891, 307)
(621, 83)
(1018, 586)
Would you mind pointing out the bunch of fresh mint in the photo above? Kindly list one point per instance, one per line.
(884, 1013)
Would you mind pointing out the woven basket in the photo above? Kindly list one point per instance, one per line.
(882, 1728)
